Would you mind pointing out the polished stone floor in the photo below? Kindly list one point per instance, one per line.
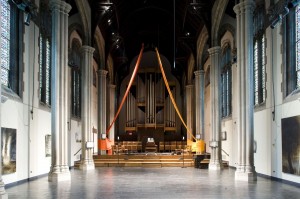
(153, 183)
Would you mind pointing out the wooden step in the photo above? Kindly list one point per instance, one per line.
(142, 160)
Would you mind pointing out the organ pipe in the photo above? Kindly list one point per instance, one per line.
(127, 110)
(173, 112)
(130, 112)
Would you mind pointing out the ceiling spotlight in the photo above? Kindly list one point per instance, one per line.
(195, 5)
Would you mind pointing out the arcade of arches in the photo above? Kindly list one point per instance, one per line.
(232, 67)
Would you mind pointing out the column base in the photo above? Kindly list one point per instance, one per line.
(245, 176)
(215, 166)
(3, 194)
(87, 165)
(102, 152)
(59, 173)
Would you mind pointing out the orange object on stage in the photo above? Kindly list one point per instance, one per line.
(105, 145)
(102, 144)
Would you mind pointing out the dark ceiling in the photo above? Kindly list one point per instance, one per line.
(126, 24)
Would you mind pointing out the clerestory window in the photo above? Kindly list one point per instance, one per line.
(11, 46)
(259, 56)
(226, 82)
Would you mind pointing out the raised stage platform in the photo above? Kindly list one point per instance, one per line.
(143, 160)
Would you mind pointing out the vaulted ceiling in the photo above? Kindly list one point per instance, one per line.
(171, 25)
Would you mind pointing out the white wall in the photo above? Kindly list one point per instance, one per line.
(31, 120)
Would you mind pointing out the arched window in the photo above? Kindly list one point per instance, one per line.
(11, 46)
(291, 45)
(259, 56)
(226, 81)
(45, 55)
(74, 63)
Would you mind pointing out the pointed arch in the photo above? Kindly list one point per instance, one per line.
(227, 27)
(190, 71)
(100, 43)
(217, 13)
(110, 69)
(85, 15)
(201, 42)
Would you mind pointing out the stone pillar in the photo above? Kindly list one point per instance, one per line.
(189, 110)
(87, 162)
(3, 193)
(245, 169)
(59, 93)
(101, 109)
(199, 105)
(112, 111)
(215, 119)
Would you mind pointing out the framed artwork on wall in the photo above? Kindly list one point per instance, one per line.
(290, 128)
(48, 145)
(8, 149)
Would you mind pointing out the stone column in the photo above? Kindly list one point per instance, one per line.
(59, 93)
(215, 119)
(245, 169)
(3, 193)
(112, 111)
(87, 162)
(199, 105)
(101, 109)
(189, 110)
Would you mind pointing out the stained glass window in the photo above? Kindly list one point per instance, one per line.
(74, 63)
(259, 55)
(11, 47)
(45, 70)
(5, 41)
(76, 93)
(45, 53)
(259, 69)
(226, 81)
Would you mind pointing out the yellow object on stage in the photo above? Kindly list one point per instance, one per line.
(200, 146)
(197, 147)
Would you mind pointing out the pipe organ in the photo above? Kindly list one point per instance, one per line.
(148, 103)
(130, 113)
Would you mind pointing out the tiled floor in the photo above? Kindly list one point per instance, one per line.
(154, 183)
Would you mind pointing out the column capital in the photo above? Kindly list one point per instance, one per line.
(102, 72)
(245, 5)
(61, 6)
(214, 50)
(87, 49)
(199, 72)
(112, 86)
(189, 86)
